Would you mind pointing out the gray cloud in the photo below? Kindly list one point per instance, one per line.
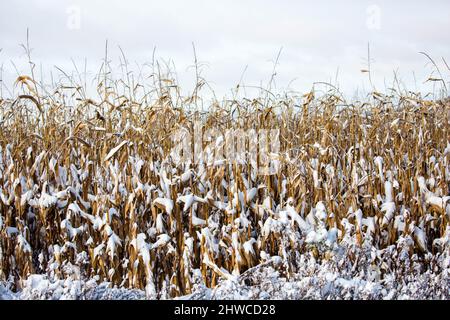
(318, 38)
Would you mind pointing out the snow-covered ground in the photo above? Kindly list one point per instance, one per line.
(267, 281)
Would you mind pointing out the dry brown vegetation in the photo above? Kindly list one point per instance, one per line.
(89, 183)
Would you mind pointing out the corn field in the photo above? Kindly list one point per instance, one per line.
(89, 184)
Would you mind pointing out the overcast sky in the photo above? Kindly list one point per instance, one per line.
(320, 40)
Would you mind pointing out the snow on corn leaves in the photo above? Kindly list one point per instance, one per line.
(91, 193)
